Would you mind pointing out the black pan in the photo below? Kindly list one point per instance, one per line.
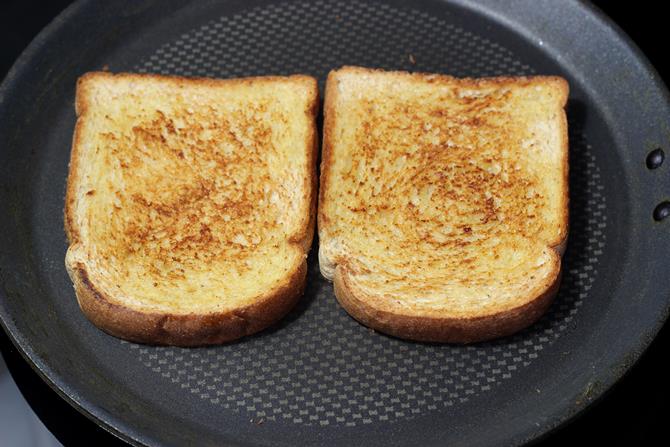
(319, 377)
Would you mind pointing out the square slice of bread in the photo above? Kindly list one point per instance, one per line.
(443, 208)
(190, 203)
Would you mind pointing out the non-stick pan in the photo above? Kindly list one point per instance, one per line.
(319, 377)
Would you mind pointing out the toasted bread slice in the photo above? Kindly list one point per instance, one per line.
(190, 203)
(443, 206)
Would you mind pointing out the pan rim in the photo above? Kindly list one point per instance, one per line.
(56, 382)
(113, 424)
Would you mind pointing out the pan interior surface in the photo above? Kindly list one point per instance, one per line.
(323, 369)
(318, 376)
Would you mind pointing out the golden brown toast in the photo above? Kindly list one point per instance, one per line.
(443, 206)
(190, 203)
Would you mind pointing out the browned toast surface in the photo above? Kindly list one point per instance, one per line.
(444, 202)
(190, 203)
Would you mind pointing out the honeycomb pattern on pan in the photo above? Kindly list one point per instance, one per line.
(316, 37)
(320, 367)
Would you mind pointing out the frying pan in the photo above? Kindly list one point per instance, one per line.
(318, 377)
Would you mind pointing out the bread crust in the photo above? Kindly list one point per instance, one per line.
(439, 328)
(443, 329)
(189, 329)
(164, 328)
(305, 236)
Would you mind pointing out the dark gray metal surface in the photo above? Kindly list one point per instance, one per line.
(319, 377)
